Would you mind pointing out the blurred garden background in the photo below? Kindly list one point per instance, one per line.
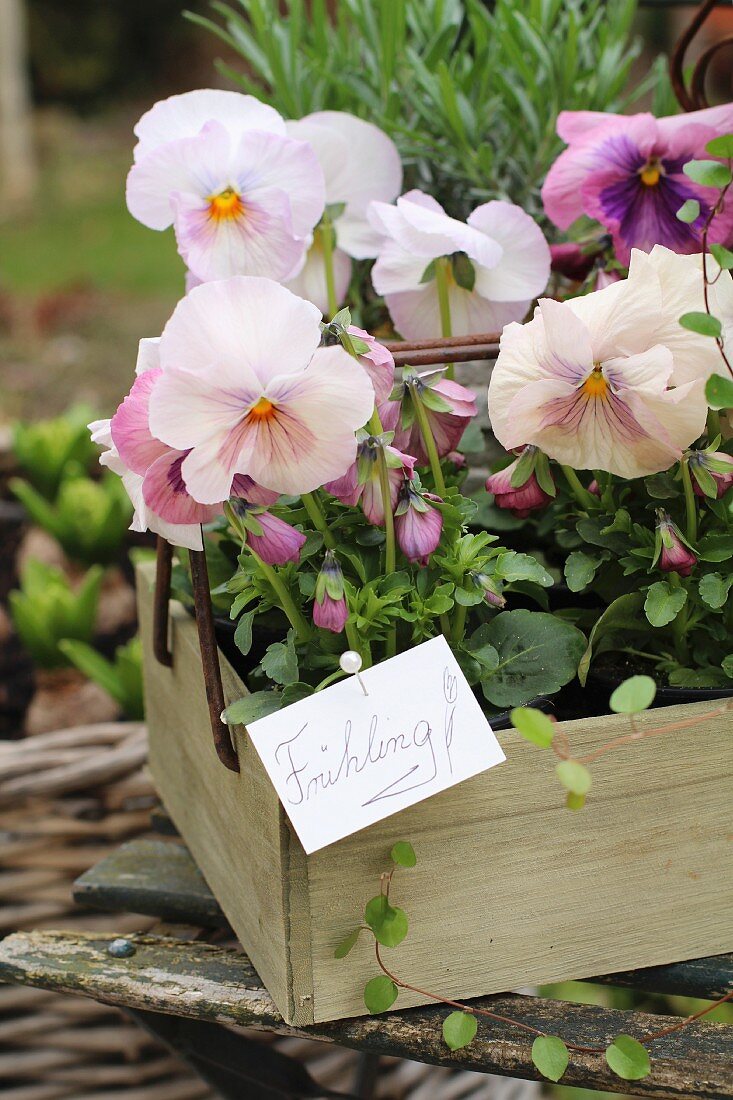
(80, 279)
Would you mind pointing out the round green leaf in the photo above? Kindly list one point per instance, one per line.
(346, 945)
(719, 392)
(533, 725)
(720, 146)
(708, 173)
(388, 923)
(403, 854)
(459, 1029)
(574, 777)
(380, 994)
(628, 1059)
(722, 256)
(689, 211)
(550, 1056)
(663, 603)
(635, 694)
(701, 323)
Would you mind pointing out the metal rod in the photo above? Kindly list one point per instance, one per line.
(677, 60)
(210, 659)
(161, 600)
(441, 354)
(444, 342)
(700, 72)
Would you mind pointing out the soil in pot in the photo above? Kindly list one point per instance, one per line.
(611, 670)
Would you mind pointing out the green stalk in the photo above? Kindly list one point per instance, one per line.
(442, 267)
(428, 439)
(297, 621)
(390, 552)
(314, 510)
(690, 503)
(583, 497)
(327, 241)
(679, 625)
(459, 623)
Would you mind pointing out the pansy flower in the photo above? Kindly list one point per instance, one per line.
(360, 164)
(588, 382)
(246, 390)
(449, 407)
(520, 499)
(626, 173)
(242, 195)
(418, 523)
(499, 262)
(330, 611)
(271, 538)
(362, 484)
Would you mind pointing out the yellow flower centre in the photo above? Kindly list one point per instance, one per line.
(262, 409)
(226, 205)
(595, 384)
(651, 172)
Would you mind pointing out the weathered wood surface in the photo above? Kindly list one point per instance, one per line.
(159, 878)
(204, 982)
(154, 877)
(510, 888)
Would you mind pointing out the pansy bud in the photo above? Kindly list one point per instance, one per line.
(418, 524)
(572, 261)
(329, 608)
(672, 552)
(712, 473)
(523, 498)
(492, 595)
(272, 539)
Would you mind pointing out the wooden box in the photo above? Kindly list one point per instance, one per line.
(511, 889)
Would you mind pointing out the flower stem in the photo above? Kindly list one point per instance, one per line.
(314, 510)
(297, 621)
(459, 623)
(442, 269)
(428, 439)
(690, 504)
(327, 241)
(390, 552)
(583, 497)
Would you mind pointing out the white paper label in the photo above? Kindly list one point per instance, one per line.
(341, 760)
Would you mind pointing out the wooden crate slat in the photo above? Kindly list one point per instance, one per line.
(154, 877)
(159, 878)
(201, 981)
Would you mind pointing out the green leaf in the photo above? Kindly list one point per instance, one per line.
(574, 776)
(580, 569)
(619, 615)
(347, 944)
(251, 707)
(280, 662)
(633, 695)
(628, 1059)
(550, 1056)
(689, 211)
(403, 854)
(702, 323)
(727, 665)
(243, 633)
(464, 271)
(722, 256)
(459, 1029)
(708, 173)
(538, 653)
(512, 566)
(663, 603)
(380, 994)
(387, 922)
(721, 146)
(717, 546)
(719, 392)
(533, 725)
(714, 589)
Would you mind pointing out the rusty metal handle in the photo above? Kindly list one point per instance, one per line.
(694, 97)
(207, 640)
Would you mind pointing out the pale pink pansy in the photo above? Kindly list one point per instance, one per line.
(681, 282)
(500, 253)
(247, 390)
(626, 172)
(242, 196)
(588, 382)
(360, 164)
